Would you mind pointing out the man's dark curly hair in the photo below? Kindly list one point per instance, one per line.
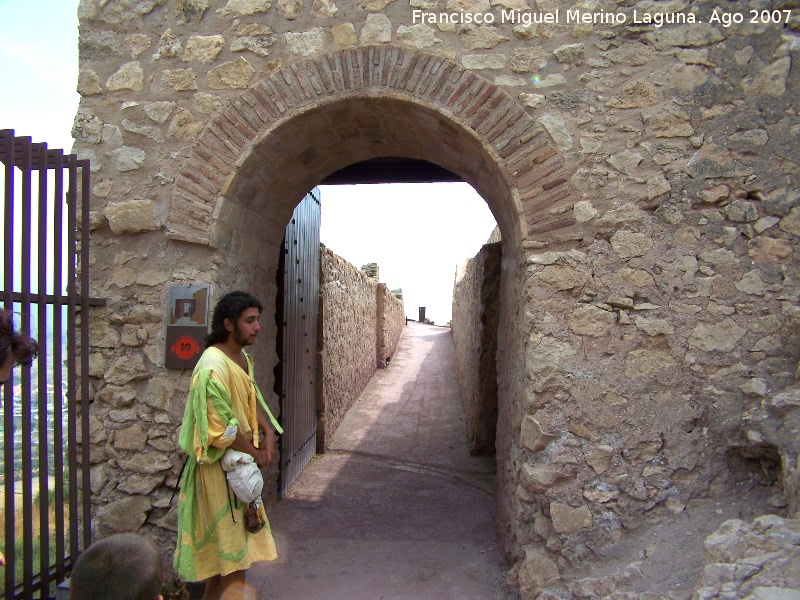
(21, 346)
(230, 306)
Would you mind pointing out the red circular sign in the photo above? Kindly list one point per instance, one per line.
(185, 347)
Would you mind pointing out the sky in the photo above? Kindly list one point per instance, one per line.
(39, 69)
(417, 233)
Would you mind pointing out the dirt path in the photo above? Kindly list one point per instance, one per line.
(397, 508)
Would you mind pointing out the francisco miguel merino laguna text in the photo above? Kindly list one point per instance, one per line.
(515, 17)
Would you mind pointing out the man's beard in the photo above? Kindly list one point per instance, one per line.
(239, 337)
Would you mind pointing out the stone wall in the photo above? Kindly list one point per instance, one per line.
(349, 322)
(642, 171)
(360, 318)
(391, 321)
(474, 329)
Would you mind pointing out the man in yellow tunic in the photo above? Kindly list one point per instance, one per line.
(222, 412)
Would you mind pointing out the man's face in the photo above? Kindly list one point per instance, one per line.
(246, 327)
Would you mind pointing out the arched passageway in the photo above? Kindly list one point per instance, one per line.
(286, 133)
(397, 506)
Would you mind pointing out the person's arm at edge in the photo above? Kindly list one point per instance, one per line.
(268, 443)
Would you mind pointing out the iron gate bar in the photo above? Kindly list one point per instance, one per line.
(14, 149)
(20, 153)
(58, 408)
(44, 508)
(7, 154)
(51, 298)
(72, 432)
(85, 435)
(25, 400)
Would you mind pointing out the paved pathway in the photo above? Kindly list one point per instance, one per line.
(397, 508)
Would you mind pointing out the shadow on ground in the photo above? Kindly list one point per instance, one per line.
(397, 508)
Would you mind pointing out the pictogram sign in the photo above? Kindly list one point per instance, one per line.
(187, 325)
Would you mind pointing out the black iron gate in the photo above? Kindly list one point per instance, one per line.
(297, 307)
(45, 282)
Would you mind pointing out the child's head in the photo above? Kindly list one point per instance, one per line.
(125, 566)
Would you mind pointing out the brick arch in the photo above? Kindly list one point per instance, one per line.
(292, 128)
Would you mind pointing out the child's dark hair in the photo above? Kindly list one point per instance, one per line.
(125, 566)
(21, 346)
(230, 306)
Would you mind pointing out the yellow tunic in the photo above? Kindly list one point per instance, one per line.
(209, 541)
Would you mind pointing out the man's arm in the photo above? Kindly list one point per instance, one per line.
(268, 443)
(261, 455)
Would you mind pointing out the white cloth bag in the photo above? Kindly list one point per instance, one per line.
(243, 475)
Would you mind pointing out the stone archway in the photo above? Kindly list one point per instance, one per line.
(645, 318)
(282, 136)
(290, 130)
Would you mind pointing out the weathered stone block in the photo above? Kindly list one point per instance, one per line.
(231, 75)
(562, 277)
(117, 396)
(132, 216)
(567, 519)
(484, 36)
(644, 362)
(203, 48)
(672, 122)
(128, 514)
(306, 43)
(724, 336)
(131, 438)
(89, 83)
(130, 76)
(591, 320)
(532, 436)
(148, 464)
(180, 80)
(128, 158)
(253, 37)
(629, 244)
(344, 34)
(537, 572)
(141, 485)
(125, 369)
(419, 35)
(600, 458)
(244, 8)
(538, 478)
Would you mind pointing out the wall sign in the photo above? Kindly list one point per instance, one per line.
(187, 325)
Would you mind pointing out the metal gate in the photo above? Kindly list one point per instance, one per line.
(298, 303)
(47, 519)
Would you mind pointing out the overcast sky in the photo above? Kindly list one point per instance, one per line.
(416, 233)
(39, 60)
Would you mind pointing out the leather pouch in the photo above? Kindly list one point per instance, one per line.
(252, 520)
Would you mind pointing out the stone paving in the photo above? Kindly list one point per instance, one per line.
(397, 508)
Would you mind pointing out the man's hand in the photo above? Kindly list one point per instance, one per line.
(268, 444)
(262, 457)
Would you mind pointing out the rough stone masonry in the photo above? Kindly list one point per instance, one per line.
(643, 172)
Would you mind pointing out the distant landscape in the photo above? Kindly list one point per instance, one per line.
(33, 399)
